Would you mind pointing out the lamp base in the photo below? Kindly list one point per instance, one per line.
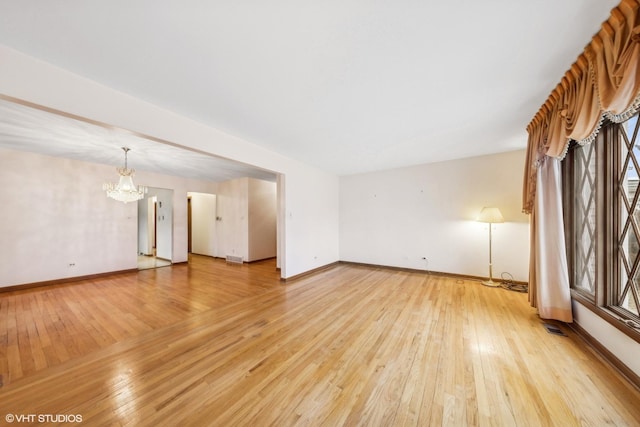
(490, 283)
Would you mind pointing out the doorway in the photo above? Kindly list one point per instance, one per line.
(201, 223)
(155, 229)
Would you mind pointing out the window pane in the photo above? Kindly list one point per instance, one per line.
(625, 292)
(584, 218)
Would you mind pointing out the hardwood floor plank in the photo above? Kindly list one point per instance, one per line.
(207, 343)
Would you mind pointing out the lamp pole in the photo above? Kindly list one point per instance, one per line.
(490, 282)
(490, 216)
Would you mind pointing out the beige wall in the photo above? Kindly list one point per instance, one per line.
(263, 213)
(248, 211)
(203, 224)
(398, 217)
(233, 229)
(56, 221)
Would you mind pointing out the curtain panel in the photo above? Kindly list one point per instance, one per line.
(550, 292)
(604, 82)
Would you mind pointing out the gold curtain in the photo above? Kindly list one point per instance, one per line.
(604, 82)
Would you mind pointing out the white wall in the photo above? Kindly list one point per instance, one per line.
(396, 217)
(311, 223)
(280, 220)
(55, 214)
(203, 224)
(619, 344)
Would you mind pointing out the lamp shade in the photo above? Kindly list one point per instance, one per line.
(490, 215)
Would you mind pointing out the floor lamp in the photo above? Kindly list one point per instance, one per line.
(490, 216)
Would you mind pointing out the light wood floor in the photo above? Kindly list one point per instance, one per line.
(148, 261)
(215, 344)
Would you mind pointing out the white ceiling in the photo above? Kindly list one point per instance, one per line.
(348, 86)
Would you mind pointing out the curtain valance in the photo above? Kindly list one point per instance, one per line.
(604, 82)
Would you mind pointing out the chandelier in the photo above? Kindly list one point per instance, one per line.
(125, 190)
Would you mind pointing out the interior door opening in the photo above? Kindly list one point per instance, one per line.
(155, 229)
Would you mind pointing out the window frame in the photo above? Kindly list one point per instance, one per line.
(608, 222)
